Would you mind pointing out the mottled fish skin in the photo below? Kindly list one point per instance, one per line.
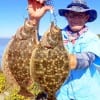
(49, 62)
(16, 57)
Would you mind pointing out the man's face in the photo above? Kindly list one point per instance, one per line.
(76, 20)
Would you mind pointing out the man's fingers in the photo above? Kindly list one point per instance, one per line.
(48, 8)
(41, 1)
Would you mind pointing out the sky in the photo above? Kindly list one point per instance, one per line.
(13, 14)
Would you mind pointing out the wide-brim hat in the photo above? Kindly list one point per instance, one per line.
(79, 7)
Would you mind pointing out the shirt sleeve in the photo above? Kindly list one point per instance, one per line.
(91, 43)
(84, 59)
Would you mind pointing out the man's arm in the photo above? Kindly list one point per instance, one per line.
(84, 59)
(81, 60)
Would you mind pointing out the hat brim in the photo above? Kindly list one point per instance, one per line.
(91, 12)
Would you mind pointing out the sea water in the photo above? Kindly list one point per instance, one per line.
(3, 44)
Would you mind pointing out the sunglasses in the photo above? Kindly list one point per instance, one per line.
(74, 15)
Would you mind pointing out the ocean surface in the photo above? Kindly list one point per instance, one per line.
(3, 44)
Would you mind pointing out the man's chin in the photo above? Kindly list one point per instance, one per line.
(76, 28)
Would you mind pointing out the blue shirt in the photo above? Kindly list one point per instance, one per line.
(84, 83)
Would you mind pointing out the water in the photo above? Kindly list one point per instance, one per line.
(3, 44)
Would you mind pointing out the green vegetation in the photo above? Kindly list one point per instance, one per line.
(10, 93)
(2, 82)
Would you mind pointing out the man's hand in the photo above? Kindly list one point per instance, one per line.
(36, 9)
(72, 61)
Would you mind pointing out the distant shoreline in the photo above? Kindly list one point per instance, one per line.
(3, 43)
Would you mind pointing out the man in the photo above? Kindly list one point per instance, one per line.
(83, 82)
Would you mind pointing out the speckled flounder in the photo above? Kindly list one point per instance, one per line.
(49, 62)
(16, 58)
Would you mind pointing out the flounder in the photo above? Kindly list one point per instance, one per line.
(16, 58)
(49, 64)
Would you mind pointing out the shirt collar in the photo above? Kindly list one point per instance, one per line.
(83, 30)
(72, 36)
